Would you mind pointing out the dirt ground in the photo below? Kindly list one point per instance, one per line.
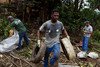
(21, 58)
(15, 59)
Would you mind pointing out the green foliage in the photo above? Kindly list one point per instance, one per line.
(74, 20)
(88, 13)
(96, 35)
(70, 18)
(26, 52)
(94, 3)
(4, 28)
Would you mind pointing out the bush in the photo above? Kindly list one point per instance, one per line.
(96, 35)
(4, 28)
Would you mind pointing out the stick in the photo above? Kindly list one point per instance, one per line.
(27, 62)
(20, 63)
(21, 59)
(14, 56)
(97, 50)
(11, 65)
(11, 61)
(78, 48)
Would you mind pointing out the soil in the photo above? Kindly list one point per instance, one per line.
(21, 58)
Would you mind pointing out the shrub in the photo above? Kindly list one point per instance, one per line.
(4, 28)
(96, 35)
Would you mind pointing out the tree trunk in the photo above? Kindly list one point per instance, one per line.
(80, 4)
(76, 5)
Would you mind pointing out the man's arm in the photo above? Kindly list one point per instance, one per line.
(38, 37)
(88, 32)
(64, 32)
(40, 33)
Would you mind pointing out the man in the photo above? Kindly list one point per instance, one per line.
(19, 26)
(87, 31)
(52, 30)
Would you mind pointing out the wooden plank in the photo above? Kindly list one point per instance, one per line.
(68, 48)
(61, 65)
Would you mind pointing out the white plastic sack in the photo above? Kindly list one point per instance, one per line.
(9, 43)
(93, 55)
(82, 54)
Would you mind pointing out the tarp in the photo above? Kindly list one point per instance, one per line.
(10, 43)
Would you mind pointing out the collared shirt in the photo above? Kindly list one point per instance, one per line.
(19, 26)
(88, 29)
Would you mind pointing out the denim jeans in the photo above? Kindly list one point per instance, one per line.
(21, 36)
(85, 43)
(56, 52)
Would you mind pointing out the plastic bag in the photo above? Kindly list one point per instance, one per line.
(93, 55)
(82, 54)
(9, 44)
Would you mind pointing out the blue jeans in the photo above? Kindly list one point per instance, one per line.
(21, 36)
(56, 53)
(85, 43)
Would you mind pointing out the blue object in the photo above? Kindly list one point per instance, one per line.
(56, 53)
(21, 36)
(85, 43)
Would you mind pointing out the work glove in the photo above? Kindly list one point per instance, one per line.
(38, 42)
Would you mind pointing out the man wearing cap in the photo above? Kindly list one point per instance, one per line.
(87, 31)
(19, 26)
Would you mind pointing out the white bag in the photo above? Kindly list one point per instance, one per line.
(9, 44)
(93, 55)
(82, 54)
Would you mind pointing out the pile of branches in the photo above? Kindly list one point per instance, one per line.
(12, 60)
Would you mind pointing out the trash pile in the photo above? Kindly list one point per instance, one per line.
(92, 55)
(10, 43)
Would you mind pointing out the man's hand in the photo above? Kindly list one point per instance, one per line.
(38, 41)
(85, 32)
